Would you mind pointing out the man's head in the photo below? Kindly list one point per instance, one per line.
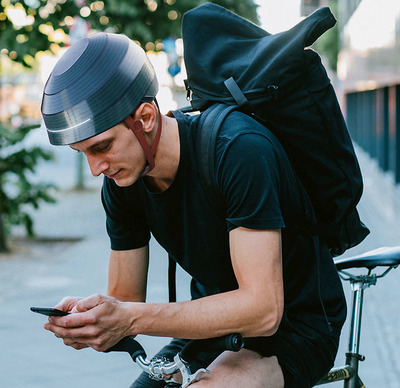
(96, 84)
(117, 153)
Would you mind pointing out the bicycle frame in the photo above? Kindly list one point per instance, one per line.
(349, 372)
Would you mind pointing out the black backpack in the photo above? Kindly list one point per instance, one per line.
(233, 64)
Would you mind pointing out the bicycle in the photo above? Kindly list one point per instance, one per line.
(163, 369)
(383, 257)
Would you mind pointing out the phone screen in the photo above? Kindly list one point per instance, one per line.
(50, 312)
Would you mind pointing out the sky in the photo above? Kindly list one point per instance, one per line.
(277, 16)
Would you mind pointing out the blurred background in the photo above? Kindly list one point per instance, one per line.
(361, 52)
(52, 236)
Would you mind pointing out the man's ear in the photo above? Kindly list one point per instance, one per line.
(147, 114)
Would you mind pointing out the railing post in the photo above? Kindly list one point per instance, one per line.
(397, 136)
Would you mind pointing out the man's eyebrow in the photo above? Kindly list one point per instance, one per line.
(99, 143)
(93, 146)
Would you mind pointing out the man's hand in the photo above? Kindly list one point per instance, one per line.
(98, 322)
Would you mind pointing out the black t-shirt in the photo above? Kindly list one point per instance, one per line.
(257, 183)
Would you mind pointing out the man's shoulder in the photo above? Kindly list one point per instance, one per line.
(185, 118)
(239, 123)
(245, 131)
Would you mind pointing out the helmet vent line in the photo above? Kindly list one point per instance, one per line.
(69, 128)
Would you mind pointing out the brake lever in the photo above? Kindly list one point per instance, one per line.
(161, 369)
(188, 378)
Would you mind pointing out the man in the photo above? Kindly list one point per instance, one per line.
(253, 271)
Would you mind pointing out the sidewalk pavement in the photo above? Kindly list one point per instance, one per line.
(70, 257)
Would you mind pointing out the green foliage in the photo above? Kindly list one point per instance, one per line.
(16, 190)
(328, 44)
(142, 20)
(26, 41)
(150, 20)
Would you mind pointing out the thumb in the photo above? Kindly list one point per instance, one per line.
(68, 303)
(87, 304)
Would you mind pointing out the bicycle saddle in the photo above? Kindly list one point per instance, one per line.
(382, 257)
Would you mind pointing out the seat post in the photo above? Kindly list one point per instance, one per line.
(353, 357)
(356, 316)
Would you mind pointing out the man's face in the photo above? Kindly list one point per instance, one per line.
(115, 153)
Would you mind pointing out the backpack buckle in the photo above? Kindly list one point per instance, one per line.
(273, 92)
(188, 90)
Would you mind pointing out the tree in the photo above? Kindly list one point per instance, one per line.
(328, 44)
(30, 26)
(16, 191)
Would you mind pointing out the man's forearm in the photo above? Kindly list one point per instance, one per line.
(208, 317)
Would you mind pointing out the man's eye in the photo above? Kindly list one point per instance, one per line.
(103, 148)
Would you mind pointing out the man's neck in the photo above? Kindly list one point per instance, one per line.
(167, 157)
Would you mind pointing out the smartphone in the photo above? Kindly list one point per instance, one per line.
(50, 312)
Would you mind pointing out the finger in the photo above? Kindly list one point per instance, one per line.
(74, 320)
(75, 343)
(78, 346)
(83, 338)
(88, 303)
(97, 343)
(76, 332)
(67, 303)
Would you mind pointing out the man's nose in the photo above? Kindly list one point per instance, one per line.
(97, 166)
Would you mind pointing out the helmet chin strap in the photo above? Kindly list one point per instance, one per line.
(137, 128)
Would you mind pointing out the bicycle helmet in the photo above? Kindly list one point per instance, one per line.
(97, 83)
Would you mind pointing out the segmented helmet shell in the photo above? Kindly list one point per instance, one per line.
(96, 84)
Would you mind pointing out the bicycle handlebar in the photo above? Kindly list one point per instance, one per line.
(162, 369)
(129, 345)
(232, 342)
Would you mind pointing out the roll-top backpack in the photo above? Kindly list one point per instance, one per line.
(278, 80)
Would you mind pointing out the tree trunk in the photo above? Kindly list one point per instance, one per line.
(3, 237)
(3, 240)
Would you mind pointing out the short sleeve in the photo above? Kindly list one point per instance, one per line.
(248, 178)
(125, 217)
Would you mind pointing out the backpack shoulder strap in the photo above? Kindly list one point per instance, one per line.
(206, 140)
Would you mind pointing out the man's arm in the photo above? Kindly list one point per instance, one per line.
(254, 309)
(127, 274)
